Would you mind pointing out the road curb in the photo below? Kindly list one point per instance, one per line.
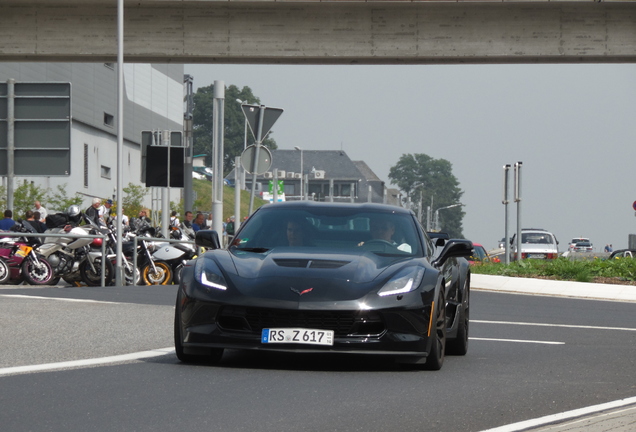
(593, 291)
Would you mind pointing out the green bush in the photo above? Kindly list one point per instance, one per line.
(564, 269)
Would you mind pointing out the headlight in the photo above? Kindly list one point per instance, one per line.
(208, 274)
(406, 280)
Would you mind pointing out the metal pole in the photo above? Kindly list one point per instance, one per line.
(188, 194)
(237, 193)
(165, 192)
(505, 203)
(259, 135)
(119, 269)
(275, 186)
(10, 141)
(518, 201)
(301, 174)
(217, 152)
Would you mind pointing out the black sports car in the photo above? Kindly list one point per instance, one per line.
(326, 277)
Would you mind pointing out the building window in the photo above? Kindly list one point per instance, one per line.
(110, 65)
(109, 120)
(105, 171)
(85, 165)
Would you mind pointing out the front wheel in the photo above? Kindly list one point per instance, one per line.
(37, 273)
(94, 277)
(212, 356)
(5, 272)
(435, 358)
(160, 275)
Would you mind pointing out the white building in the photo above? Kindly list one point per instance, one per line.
(153, 101)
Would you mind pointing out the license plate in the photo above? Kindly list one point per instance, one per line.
(297, 336)
(538, 256)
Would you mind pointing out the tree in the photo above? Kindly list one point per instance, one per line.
(422, 177)
(60, 200)
(234, 123)
(133, 201)
(25, 195)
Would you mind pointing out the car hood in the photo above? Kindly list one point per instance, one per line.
(312, 276)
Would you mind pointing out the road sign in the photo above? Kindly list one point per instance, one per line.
(41, 139)
(264, 159)
(281, 186)
(252, 114)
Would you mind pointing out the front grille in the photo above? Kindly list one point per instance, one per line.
(343, 323)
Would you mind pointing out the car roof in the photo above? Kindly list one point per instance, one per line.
(358, 206)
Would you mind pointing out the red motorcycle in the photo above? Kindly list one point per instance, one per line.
(22, 261)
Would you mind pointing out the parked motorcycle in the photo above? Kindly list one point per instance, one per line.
(127, 245)
(175, 254)
(73, 259)
(153, 270)
(21, 260)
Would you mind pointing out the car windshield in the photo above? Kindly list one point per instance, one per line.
(536, 238)
(330, 227)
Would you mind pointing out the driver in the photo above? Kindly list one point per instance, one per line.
(384, 229)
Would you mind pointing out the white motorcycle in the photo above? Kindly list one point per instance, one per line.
(168, 259)
(72, 258)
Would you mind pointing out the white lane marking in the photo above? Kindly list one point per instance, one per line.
(86, 362)
(541, 421)
(518, 341)
(57, 298)
(554, 325)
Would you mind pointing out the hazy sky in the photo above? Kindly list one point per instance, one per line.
(572, 126)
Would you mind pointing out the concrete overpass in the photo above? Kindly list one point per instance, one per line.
(320, 32)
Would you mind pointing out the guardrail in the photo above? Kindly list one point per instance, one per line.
(65, 235)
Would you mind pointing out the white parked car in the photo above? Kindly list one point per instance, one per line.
(578, 240)
(536, 243)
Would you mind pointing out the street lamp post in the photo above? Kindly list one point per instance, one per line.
(437, 214)
(244, 145)
(302, 190)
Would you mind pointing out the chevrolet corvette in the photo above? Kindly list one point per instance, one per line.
(326, 277)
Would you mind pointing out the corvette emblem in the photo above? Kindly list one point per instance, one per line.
(301, 292)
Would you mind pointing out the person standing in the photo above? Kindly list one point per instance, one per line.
(93, 211)
(208, 221)
(174, 219)
(105, 211)
(37, 207)
(199, 222)
(7, 222)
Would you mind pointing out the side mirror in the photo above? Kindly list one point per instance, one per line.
(454, 248)
(207, 239)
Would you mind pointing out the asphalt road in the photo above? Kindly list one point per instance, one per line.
(529, 357)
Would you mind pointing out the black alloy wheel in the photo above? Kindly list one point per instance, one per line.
(435, 358)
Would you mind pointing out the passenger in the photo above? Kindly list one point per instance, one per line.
(383, 229)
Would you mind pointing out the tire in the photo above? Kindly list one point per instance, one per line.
(162, 276)
(459, 345)
(176, 275)
(94, 278)
(37, 273)
(435, 358)
(5, 272)
(214, 355)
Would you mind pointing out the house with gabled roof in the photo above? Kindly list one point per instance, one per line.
(321, 175)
